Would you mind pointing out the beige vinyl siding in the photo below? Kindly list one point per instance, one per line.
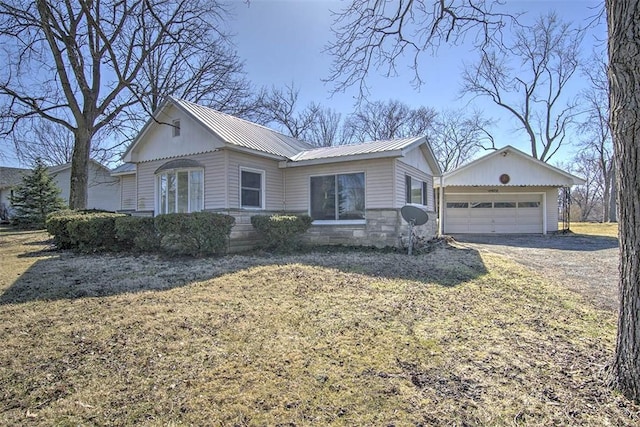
(378, 182)
(127, 192)
(552, 209)
(214, 180)
(273, 191)
(402, 170)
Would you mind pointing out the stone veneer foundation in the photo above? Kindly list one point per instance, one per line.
(383, 228)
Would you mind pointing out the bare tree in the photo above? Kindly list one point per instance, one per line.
(78, 64)
(195, 67)
(280, 108)
(387, 120)
(529, 79)
(379, 36)
(588, 196)
(325, 129)
(596, 132)
(53, 144)
(623, 22)
(456, 137)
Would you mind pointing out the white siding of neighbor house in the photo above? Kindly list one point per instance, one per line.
(128, 192)
(158, 141)
(551, 197)
(273, 192)
(103, 190)
(403, 169)
(379, 179)
(214, 180)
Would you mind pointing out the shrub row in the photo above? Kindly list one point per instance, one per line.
(281, 233)
(200, 233)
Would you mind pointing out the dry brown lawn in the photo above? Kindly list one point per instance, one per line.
(452, 337)
(595, 228)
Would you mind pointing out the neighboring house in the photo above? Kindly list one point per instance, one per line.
(506, 191)
(103, 190)
(190, 158)
(9, 178)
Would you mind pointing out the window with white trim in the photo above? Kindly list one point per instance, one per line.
(416, 191)
(251, 188)
(180, 191)
(337, 197)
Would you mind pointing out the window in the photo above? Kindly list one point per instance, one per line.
(457, 205)
(481, 205)
(180, 191)
(416, 191)
(176, 128)
(504, 204)
(528, 204)
(337, 197)
(251, 189)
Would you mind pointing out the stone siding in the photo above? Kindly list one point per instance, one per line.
(383, 228)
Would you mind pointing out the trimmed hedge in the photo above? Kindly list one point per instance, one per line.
(56, 225)
(281, 233)
(198, 233)
(137, 233)
(93, 232)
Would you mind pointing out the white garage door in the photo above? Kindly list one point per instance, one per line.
(493, 213)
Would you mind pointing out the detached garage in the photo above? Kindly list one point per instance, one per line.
(506, 191)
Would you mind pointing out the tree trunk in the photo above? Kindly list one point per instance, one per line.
(80, 170)
(606, 197)
(623, 19)
(613, 195)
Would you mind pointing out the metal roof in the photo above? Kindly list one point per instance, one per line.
(356, 149)
(124, 169)
(10, 177)
(242, 133)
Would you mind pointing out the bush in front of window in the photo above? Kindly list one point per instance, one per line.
(196, 233)
(93, 231)
(281, 233)
(137, 233)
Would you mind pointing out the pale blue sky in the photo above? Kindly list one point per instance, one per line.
(282, 42)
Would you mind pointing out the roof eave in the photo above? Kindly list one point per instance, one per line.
(341, 159)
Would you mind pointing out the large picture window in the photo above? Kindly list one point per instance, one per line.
(251, 189)
(337, 197)
(180, 191)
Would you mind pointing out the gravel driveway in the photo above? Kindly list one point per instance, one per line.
(585, 264)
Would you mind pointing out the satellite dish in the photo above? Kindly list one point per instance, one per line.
(414, 214)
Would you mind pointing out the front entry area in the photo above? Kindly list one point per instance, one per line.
(493, 213)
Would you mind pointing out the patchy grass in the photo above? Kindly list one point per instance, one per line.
(447, 338)
(609, 229)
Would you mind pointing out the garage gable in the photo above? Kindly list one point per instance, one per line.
(509, 167)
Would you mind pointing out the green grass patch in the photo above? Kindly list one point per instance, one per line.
(447, 338)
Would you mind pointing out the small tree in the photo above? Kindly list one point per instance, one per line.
(35, 198)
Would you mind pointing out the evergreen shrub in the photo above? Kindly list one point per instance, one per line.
(197, 233)
(137, 233)
(281, 233)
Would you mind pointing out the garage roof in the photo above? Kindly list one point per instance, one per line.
(508, 166)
